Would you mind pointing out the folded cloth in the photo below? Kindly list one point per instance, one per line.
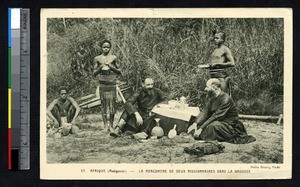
(140, 135)
(184, 115)
(204, 148)
(151, 139)
(184, 138)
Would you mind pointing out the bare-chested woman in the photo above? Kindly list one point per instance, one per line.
(105, 66)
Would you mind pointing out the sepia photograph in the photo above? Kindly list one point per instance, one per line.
(166, 94)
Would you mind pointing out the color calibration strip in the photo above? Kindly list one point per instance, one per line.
(18, 89)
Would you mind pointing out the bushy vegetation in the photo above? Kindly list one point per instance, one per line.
(170, 50)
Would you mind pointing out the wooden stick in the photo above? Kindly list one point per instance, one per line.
(86, 97)
(122, 83)
(203, 66)
(121, 95)
(259, 117)
(96, 103)
(279, 120)
(89, 102)
(124, 89)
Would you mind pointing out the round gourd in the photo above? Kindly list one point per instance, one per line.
(65, 131)
(157, 131)
(74, 129)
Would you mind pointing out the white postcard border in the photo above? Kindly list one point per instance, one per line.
(171, 171)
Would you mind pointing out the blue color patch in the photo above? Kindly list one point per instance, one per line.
(9, 27)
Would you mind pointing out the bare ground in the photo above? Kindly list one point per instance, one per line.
(93, 145)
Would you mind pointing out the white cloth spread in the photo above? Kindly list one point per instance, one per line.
(169, 112)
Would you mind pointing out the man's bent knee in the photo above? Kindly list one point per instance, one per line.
(215, 124)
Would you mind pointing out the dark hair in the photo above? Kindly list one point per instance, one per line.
(105, 41)
(62, 88)
(223, 34)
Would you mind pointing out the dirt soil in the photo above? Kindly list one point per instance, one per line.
(93, 145)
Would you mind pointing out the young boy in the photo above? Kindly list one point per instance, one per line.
(63, 109)
(105, 66)
(220, 60)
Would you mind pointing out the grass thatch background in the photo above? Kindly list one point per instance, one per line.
(169, 50)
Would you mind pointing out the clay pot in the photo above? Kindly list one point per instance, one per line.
(157, 130)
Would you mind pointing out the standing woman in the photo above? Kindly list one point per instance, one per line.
(106, 68)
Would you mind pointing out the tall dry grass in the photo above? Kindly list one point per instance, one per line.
(170, 50)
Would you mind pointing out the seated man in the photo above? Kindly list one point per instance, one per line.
(137, 119)
(63, 109)
(219, 120)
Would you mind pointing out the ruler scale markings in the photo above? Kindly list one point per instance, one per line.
(25, 90)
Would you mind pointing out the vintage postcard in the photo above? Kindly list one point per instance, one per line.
(151, 94)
